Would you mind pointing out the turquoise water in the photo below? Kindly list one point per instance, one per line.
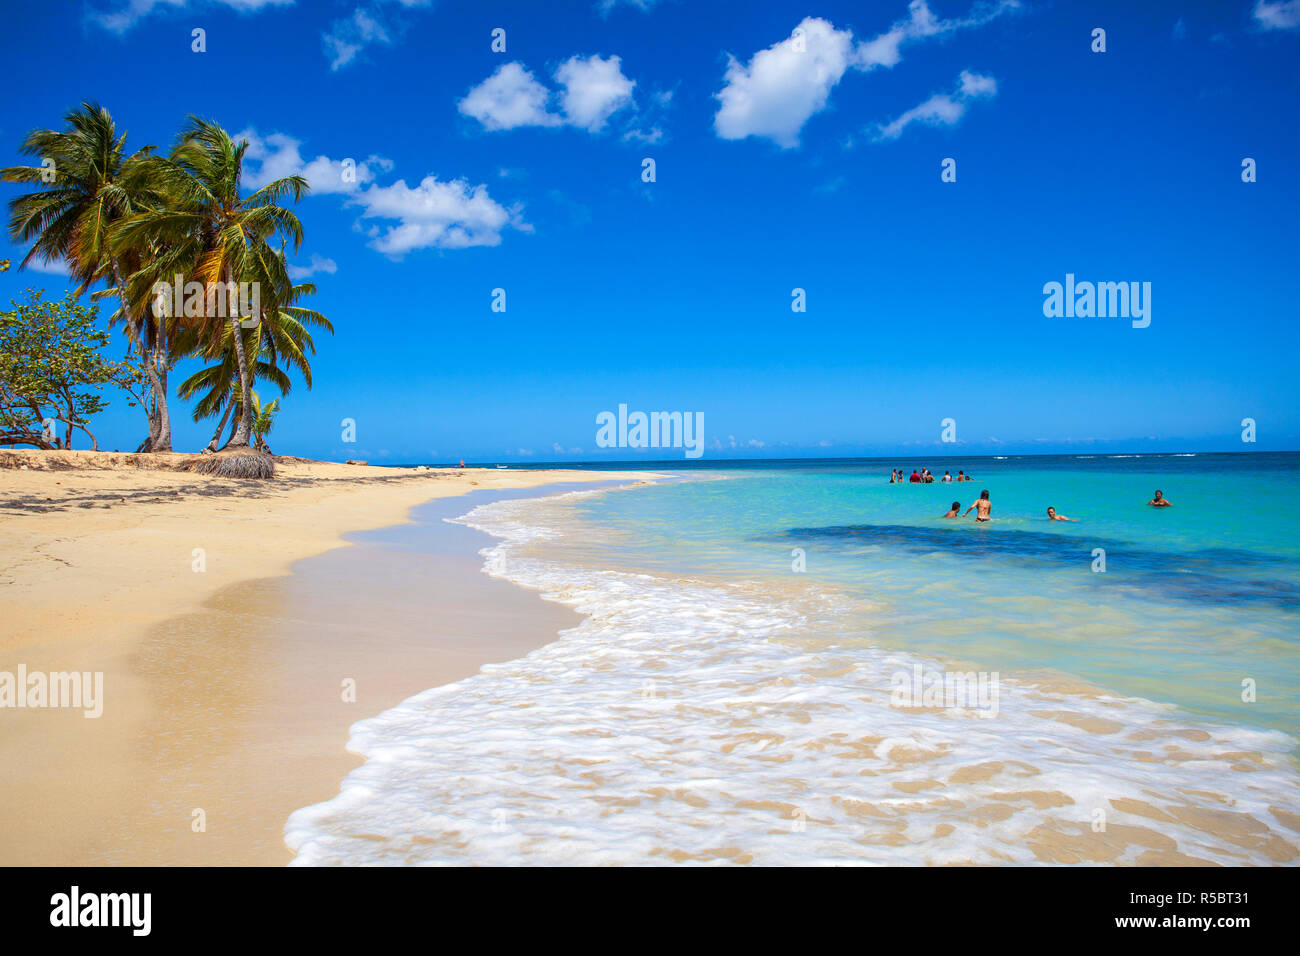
(731, 693)
(1194, 600)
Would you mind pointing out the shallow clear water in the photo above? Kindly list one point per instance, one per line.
(718, 705)
(1194, 599)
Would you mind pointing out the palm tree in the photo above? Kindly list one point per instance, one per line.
(217, 386)
(220, 233)
(264, 419)
(89, 187)
(281, 336)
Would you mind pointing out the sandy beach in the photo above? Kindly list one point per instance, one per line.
(224, 702)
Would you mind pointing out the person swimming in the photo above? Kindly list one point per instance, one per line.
(983, 505)
(1053, 516)
(952, 513)
(946, 479)
(1159, 501)
(961, 475)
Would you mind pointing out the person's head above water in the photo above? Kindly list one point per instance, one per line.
(985, 494)
(1158, 493)
(956, 506)
(1051, 512)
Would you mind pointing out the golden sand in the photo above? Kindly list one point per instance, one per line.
(222, 701)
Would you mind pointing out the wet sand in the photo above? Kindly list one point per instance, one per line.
(226, 706)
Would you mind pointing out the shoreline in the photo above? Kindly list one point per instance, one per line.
(101, 573)
(683, 721)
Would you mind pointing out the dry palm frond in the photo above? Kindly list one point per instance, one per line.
(237, 463)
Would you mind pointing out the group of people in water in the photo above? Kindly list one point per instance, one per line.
(983, 507)
(924, 476)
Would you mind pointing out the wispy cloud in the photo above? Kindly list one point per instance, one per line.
(1278, 14)
(317, 264)
(123, 17)
(782, 87)
(607, 6)
(349, 36)
(54, 267)
(368, 25)
(943, 109)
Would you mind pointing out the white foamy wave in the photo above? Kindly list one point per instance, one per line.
(682, 721)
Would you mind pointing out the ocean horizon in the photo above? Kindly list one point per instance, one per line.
(707, 464)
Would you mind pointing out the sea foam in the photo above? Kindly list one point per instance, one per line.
(686, 720)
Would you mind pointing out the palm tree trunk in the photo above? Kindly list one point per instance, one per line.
(244, 427)
(164, 440)
(160, 432)
(216, 435)
(234, 422)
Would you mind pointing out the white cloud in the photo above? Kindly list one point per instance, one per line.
(316, 264)
(943, 109)
(435, 214)
(127, 15)
(593, 89)
(276, 155)
(782, 87)
(973, 85)
(509, 98)
(1278, 14)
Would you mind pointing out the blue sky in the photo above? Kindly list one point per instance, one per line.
(782, 161)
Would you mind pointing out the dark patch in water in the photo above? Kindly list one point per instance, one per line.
(1194, 576)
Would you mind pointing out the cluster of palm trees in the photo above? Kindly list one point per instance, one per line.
(124, 223)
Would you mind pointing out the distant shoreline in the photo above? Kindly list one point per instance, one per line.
(705, 463)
